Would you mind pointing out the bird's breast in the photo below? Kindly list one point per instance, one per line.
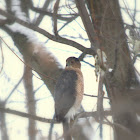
(79, 95)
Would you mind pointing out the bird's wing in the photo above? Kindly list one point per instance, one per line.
(65, 92)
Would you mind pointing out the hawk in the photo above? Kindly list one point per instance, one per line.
(69, 91)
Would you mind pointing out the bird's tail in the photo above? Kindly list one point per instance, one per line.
(66, 130)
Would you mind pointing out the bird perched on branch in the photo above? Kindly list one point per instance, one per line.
(69, 93)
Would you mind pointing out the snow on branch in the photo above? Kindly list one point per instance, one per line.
(48, 35)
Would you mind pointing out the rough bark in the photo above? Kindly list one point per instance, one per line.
(108, 23)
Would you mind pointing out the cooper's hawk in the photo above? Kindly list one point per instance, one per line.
(69, 90)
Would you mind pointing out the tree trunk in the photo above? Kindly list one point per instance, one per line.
(31, 106)
(108, 25)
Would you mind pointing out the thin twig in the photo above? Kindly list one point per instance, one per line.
(69, 21)
(13, 90)
(100, 104)
(95, 96)
(134, 15)
(1, 56)
(59, 16)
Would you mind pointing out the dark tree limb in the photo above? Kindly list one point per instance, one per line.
(48, 35)
(45, 120)
(56, 7)
(87, 23)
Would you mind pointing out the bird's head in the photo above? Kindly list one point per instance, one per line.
(73, 62)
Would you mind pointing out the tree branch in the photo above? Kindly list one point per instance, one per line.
(26, 115)
(12, 91)
(41, 16)
(48, 35)
(95, 96)
(87, 23)
(37, 118)
(59, 16)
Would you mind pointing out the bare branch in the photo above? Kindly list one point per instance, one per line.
(5, 21)
(29, 66)
(37, 118)
(134, 16)
(87, 22)
(95, 96)
(2, 57)
(13, 90)
(50, 36)
(3, 127)
(56, 6)
(59, 16)
(8, 5)
(124, 8)
(26, 115)
(41, 16)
